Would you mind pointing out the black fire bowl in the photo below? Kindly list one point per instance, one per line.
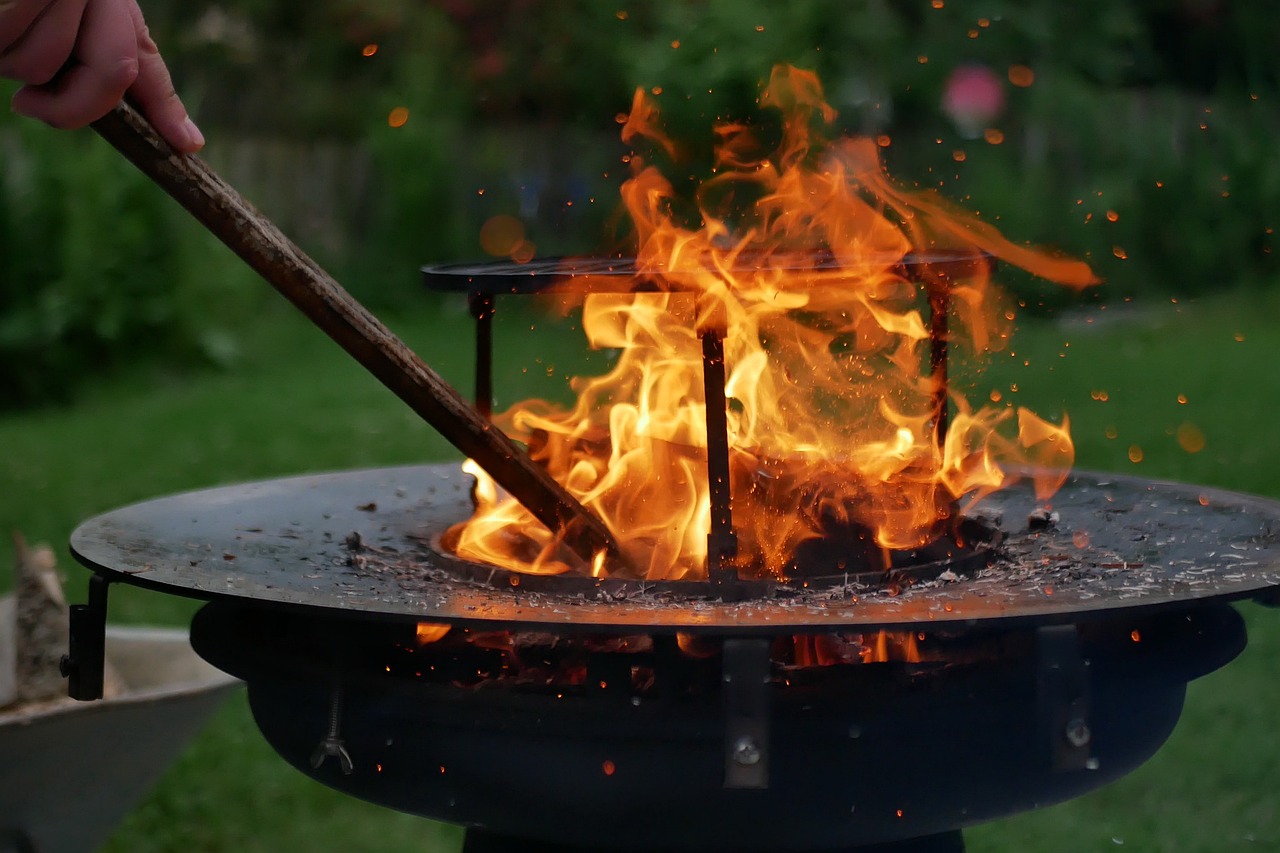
(1059, 668)
(857, 755)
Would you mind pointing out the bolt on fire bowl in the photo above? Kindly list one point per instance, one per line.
(841, 694)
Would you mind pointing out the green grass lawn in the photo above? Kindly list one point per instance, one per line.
(297, 404)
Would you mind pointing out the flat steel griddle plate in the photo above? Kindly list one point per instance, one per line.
(1121, 544)
(621, 275)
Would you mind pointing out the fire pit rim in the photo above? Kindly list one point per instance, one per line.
(157, 544)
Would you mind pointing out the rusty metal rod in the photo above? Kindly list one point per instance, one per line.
(939, 334)
(249, 234)
(483, 306)
(722, 542)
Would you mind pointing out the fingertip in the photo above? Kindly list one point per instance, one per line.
(171, 121)
(194, 138)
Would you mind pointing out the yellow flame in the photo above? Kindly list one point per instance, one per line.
(486, 490)
(794, 258)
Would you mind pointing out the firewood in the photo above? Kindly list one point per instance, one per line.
(40, 629)
(40, 636)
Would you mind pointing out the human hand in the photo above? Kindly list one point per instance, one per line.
(77, 58)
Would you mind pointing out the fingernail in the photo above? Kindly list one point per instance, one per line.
(194, 136)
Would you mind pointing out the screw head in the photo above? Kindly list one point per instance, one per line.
(1077, 732)
(745, 751)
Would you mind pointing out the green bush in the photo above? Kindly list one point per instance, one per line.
(98, 267)
(1131, 181)
(1103, 156)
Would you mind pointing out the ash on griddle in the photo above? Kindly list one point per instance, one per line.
(1089, 545)
(1033, 555)
(368, 559)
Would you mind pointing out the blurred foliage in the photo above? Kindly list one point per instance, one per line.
(1137, 137)
(1139, 144)
(95, 268)
(1119, 92)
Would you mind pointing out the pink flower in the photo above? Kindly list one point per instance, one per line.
(973, 97)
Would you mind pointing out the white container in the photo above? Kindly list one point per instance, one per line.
(70, 771)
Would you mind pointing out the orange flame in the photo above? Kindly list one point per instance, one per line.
(796, 261)
(431, 632)
(810, 650)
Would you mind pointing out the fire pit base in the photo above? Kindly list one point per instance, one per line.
(857, 755)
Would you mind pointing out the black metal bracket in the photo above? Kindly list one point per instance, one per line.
(746, 671)
(722, 542)
(1063, 685)
(939, 339)
(483, 306)
(85, 661)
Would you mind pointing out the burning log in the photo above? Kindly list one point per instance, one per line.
(217, 206)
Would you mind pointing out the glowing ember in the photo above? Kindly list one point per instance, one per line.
(431, 632)
(836, 417)
(810, 650)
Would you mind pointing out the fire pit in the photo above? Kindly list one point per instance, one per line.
(627, 718)
(772, 584)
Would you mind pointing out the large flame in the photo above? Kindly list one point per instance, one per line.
(795, 259)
